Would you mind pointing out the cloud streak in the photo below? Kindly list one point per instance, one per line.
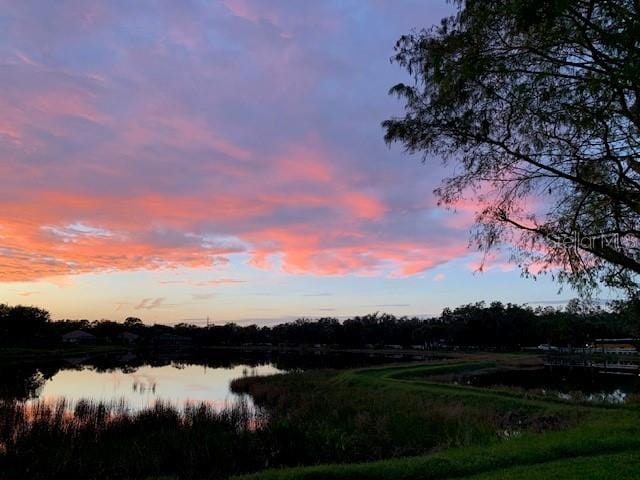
(149, 303)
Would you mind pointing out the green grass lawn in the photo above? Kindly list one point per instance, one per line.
(620, 466)
(602, 442)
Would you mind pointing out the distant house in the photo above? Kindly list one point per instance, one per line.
(615, 346)
(79, 336)
(129, 337)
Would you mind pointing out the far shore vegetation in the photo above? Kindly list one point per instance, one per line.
(29, 332)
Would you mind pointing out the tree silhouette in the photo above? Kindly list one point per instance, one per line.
(22, 321)
(132, 322)
(535, 99)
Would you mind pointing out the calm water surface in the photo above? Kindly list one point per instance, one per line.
(611, 382)
(140, 381)
(144, 386)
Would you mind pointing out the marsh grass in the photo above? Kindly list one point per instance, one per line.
(95, 440)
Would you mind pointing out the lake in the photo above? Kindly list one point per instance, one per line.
(175, 383)
(140, 380)
(577, 380)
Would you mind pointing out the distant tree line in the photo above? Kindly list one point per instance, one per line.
(495, 325)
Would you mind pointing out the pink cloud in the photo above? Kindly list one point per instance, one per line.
(243, 9)
(152, 137)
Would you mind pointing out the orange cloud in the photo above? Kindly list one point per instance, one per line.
(148, 159)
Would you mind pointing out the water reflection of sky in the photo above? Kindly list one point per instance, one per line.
(176, 383)
(612, 382)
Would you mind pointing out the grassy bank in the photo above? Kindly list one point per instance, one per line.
(577, 441)
(600, 435)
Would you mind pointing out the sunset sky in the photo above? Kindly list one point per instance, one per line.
(175, 160)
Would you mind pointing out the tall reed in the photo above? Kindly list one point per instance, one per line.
(99, 440)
